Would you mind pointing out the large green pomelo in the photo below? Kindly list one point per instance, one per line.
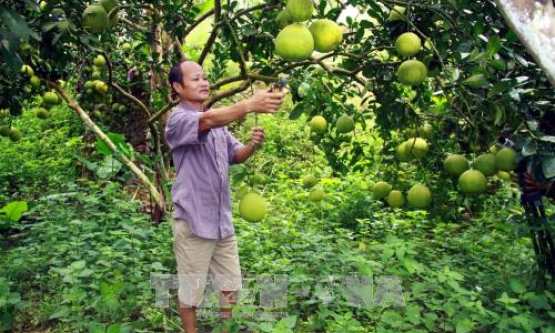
(99, 61)
(402, 153)
(395, 13)
(504, 175)
(15, 135)
(395, 199)
(316, 194)
(472, 182)
(95, 19)
(408, 44)
(318, 124)
(327, 35)
(455, 165)
(506, 159)
(381, 190)
(42, 113)
(294, 43)
(417, 147)
(419, 196)
(344, 124)
(284, 19)
(309, 181)
(50, 97)
(485, 163)
(4, 130)
(299, 10)
(412, 72)
(252, 207)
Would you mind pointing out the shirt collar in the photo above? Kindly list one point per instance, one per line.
(188, 107)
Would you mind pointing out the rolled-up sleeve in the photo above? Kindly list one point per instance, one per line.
(183, 129)
(232, 145)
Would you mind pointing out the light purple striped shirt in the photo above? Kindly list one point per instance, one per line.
(201, 191)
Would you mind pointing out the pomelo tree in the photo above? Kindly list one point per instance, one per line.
(461, 70)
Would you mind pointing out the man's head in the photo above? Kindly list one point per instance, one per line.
(189, 83)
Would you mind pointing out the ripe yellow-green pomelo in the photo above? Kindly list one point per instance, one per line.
(485, 163)
(252, 207)
(89, 84)
(99, 61)
(381, 190)
(283, 19)
(309, 181)
(95, 19)
(44, 6)
(504, 175)
(112, 8)
(472, 182)
(344, 124)
(96, 75)
(402, 153)
(294, 43)
(316, 194)
(42, 113)
(408, 44)
(455, 165)
(299, 10)
(419, 196)
(395, 199)
(126, 47)
(412, 72)
(101, 87)
(506, 159)
(4, 130)
(327, 35)
(97, 114)
(427, 130)
(26, 69)
(318, 124)
(15, 135)
(417, 147)
(396, 14)
(50, 97)
(35, 81)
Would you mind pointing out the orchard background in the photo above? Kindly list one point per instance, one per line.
(85, 173)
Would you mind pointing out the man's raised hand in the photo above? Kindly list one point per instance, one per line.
(265, 102)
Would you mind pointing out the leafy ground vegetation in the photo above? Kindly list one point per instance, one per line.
(84, 254)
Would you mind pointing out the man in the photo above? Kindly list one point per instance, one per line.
(202, 148)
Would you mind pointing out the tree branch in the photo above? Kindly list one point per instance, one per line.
(193, 25)
(132, 98)
(219, 95)
(214, 33)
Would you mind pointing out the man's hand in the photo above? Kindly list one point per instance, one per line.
(264, 102)
(257, 137)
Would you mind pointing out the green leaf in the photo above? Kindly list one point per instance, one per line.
(63, 312)
(465, 326)
(14, 22)
(14, 210)
(114, 328)
(288, 322)
(118, 140)
(494, 45)
(297, 111)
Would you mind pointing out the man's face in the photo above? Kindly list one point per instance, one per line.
(195, 87)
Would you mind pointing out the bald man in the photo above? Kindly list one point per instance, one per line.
(202, 149)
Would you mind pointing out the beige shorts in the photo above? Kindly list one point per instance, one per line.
(196, 257)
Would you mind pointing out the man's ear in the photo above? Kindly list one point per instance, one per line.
(177, 87)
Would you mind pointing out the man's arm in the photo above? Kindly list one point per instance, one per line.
(243, 154)
(262, 102)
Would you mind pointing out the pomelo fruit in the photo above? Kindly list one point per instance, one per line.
(112, 8)
(316, 194)
(427, 131)
(318, 124)
(408, 44)
(299, 10)
(15, 135)
(417, 147)
(99, 61)
(50, 97)
(252, 207)
(283, 19)
(95, 19)
(455, 165)
(327, 35)
(309, 181)
(304, 89)
(505, 160)
(395, 13)
(294, 43)
(4, 130)
(96, 75)
(344, 124)
(26, 69)
(402, 153)
(419, 196)
(101, 87)
(412, 72)
(504, 175)
(485, 163)
(35, 81)
(126, 47)
(381, 190)
(42, 113)
(472, 182)
(395, 199)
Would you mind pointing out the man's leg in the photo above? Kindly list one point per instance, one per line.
(225, 260)
(193, 255)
